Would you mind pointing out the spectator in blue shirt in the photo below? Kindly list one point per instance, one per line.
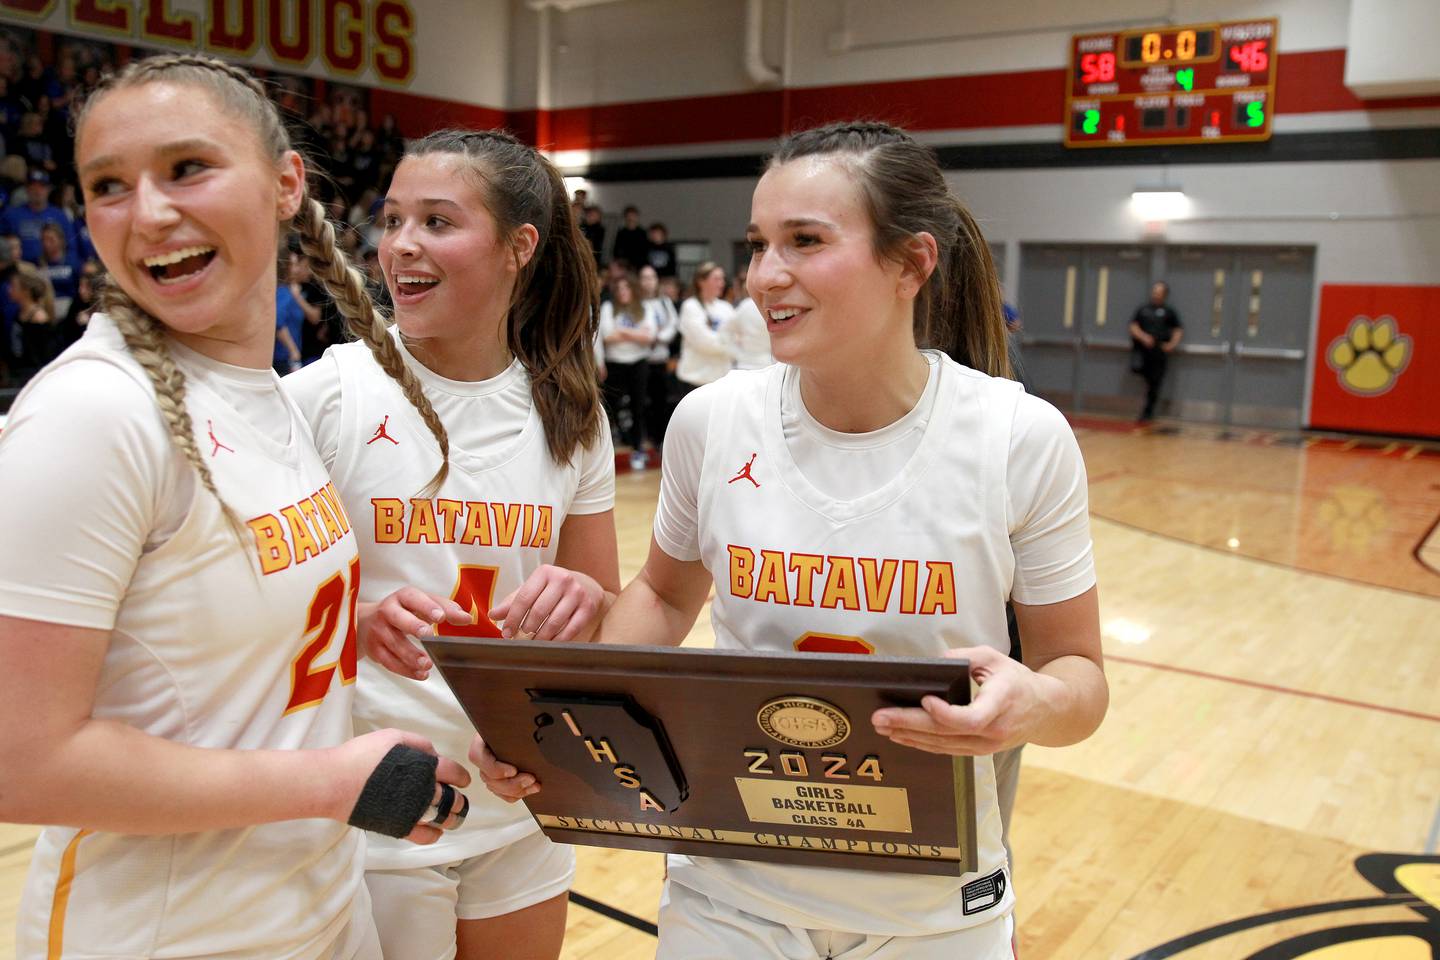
(28, 221)
(60, 264)
(289, 320)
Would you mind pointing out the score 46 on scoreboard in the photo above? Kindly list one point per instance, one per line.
(1202, 83)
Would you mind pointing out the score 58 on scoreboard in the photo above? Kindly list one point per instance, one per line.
(1202, 83)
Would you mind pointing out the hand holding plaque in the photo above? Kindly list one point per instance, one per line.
(500, 778)
(1002, 713)
(719, 754)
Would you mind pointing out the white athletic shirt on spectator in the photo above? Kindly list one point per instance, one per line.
(625, 351)
(705, 355)
(662, 311)
(500, 510)
(108, 528)
(751, 337)
(989, 504)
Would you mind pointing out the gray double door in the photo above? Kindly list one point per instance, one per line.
(1246, 313)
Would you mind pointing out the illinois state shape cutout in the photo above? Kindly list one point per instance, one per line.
(612, 744)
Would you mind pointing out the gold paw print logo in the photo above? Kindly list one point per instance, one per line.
(1371, 356)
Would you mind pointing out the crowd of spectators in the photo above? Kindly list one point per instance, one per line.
(47, 263)
(43, 238)
(634, 246)
(658, 340)
(655, 334)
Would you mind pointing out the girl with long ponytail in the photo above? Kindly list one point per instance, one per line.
(177, 603)
(469, 442)
(886, 436)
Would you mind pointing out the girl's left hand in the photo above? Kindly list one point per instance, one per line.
(1010, 704)
(552, 604)
(386, 629)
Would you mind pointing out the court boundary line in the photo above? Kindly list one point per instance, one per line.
(1228, 928)
(1276, 688)
(1420, 545)
(1280, 564)
(615, 913)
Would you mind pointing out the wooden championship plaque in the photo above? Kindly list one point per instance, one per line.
(719, 754)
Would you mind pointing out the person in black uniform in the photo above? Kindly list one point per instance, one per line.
(1155, 331)
(594, 231)
(631, 243)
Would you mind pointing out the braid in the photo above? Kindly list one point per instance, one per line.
(345, 284)
(145, 339)
(233, 85)
(158, 65)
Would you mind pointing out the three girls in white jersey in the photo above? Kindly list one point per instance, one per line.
(495, 299)
(177, 596)
(884, 435)
(172, 705)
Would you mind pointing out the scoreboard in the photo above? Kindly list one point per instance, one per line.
(1201, 83)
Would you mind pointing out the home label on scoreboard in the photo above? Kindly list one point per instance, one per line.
(1198, 83)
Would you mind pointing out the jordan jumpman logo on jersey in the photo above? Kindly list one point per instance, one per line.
(210, 425)
(380, 433)
(744, 473)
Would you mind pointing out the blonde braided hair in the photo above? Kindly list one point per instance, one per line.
(241, 93)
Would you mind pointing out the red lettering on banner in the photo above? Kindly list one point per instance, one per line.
(109, 15)
(28, 8)
(222, 32)
(281, 18)
(394, 53)
(158, 23)
(344, 35)
(350, 37)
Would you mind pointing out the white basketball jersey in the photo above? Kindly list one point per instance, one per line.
(215, 644)
(495, 520)
(913, 568)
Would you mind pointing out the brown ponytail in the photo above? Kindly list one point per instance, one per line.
(554, 309)
(959, 308)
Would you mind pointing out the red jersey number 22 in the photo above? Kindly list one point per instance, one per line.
(309, 683)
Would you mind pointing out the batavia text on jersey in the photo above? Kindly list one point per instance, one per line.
(419, 520)
(873, 584)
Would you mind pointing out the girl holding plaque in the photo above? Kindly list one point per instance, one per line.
(885, 431)
(469, 442)
(177, 602)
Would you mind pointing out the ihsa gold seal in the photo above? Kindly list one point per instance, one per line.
(804, 722)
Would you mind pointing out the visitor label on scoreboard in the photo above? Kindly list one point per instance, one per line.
(1197, 83)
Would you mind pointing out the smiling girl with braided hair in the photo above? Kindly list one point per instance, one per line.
(177, 606)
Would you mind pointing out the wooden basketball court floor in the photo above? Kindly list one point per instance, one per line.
(1267, 782)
